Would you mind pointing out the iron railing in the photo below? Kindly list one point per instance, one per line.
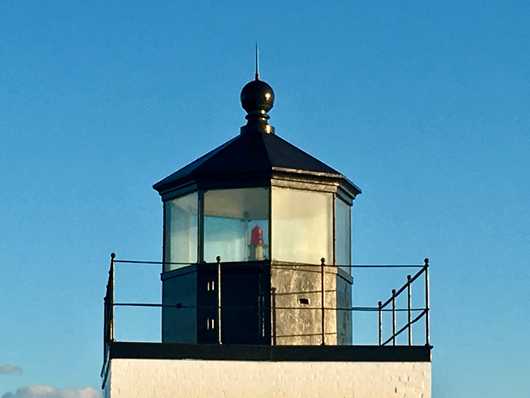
(108, 315)
(422, 312)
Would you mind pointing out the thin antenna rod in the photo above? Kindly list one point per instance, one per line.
(257, 61)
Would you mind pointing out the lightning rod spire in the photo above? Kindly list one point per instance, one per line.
(257, 62)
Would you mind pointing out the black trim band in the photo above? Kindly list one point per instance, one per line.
(270, 353)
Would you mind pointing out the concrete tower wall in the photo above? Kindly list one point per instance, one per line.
(144, 378)
(296, 285)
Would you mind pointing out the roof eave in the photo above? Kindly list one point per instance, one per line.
(317, 174)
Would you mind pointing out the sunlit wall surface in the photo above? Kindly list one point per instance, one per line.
(181, 232)
(342, 233)
(302, 225)
(236, 225)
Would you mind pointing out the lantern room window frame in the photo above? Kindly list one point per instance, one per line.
(336, 191)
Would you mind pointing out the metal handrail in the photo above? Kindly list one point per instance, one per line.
(402, 288)
(291, 264)
(108, 316)
(185, 306)
(392, 338)
(408, 326)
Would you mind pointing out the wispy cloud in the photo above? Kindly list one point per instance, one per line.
(7, 369)
(44, 391)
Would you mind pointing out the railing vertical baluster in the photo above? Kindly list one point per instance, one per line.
(380, 321)
(105, 325)
(409, 305)
(322, 300)
(273, 305)
(219, 303)
(427, 309)
(112, 296)
(393, 316)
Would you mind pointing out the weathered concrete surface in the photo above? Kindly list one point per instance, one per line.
(145, 378)
(304, 326)
(344, 318)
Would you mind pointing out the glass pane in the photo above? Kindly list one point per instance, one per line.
(180, 242)
(342, 233)
(236, 224)
(301, 225)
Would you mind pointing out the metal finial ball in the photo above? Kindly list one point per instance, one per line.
(257, 97)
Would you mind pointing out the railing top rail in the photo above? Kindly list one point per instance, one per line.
(402, 288)
(351, 265)
(285, 264)
(186, 306)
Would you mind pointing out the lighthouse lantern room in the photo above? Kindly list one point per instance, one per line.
(244, 227)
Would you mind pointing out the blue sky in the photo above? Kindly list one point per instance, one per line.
(425, 106)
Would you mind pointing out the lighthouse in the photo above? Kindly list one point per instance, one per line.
(256, 276)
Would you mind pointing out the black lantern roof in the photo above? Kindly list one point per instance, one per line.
(255, 156)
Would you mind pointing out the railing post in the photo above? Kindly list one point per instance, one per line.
(409, 311)
(322, 301)
(219, 303)
(427, 304)
(112, 297)
(393, 316)
(380, 321)
(105, 326)
(273, 305)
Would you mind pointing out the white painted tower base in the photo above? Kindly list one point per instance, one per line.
(191, 378)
